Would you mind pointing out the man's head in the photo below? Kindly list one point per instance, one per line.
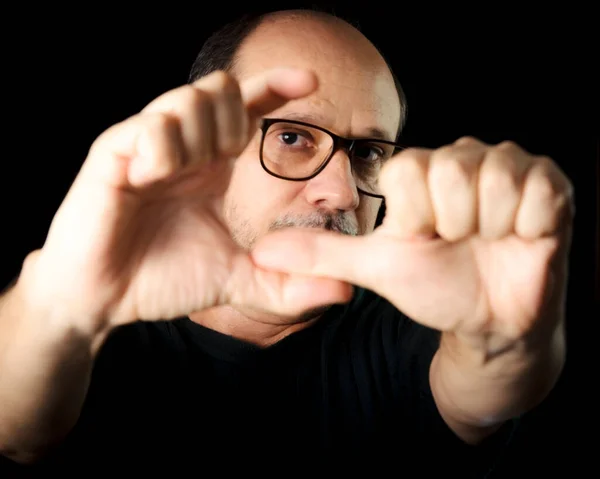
(357, 96)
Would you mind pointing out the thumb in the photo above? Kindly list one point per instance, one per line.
(280, 293)
(318, 254)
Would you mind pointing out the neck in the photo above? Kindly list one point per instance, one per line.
(256, 328)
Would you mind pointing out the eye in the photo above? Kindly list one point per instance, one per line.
(296, 138)
(289, 138)
(369, 153)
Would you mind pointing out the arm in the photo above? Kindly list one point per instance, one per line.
(475, 243)
(45, 367)
(112, 246)
(476, 390)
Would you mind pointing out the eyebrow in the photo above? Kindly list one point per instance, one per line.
(372, 133)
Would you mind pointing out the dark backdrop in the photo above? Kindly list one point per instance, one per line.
(496, 73)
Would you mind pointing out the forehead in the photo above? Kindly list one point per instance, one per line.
(356, 89)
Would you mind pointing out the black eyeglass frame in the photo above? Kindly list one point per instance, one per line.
(339, 142)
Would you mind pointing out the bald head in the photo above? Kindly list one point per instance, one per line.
(325, 35)
(315, 29)
(354, 77)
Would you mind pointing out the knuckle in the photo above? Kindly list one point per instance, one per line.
(447, 154)
(106, 136)
(453, 172)
(545, 189)
(508, 146)
(409, 164)
(498, 181)
(230, 145)
(159, 123)
(500, 172)
(450, 166)
(220, 83)
(414, 154)
(194, 98)
(158, 138)
(408, 168)
(549, 182)
(226, 83)
(499, 157)
(467, 140)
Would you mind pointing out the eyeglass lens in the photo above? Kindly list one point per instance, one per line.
(298, 151)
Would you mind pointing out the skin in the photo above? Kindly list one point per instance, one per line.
(172, 215)
(475, 243)
(349, 66)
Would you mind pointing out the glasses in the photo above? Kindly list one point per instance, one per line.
(298, 151)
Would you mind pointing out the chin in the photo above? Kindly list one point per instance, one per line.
(312, 314)
(266, 318)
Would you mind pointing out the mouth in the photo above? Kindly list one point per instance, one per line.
(328, 223)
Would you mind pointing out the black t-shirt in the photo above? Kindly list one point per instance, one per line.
(349, 392)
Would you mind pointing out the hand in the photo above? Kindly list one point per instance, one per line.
(474, 241)
(140, 233)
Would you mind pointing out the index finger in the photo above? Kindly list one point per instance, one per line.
(269, 91)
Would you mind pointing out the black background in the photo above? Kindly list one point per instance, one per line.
(495, 72)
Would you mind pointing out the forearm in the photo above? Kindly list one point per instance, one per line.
(45, 367)
(476, 392)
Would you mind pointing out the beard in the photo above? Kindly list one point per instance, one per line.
(245, 236)
(331, 222)
(339, 223)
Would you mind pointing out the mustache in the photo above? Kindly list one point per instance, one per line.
(332, 222)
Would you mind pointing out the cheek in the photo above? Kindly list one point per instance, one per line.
(366, 213)
(254, 196)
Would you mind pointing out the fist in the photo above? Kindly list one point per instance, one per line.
(473, 189)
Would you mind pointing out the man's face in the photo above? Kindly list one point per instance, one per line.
(356, 95)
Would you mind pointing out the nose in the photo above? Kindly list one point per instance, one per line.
(334, 188)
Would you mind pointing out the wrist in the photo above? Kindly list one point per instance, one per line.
(487, 347)
(477, 391)
(531, 365)
(41, 312)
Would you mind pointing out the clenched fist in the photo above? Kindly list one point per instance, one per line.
(140, 234)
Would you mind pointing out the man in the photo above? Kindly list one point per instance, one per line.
(195, 300)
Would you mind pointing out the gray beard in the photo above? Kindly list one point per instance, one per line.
(246, 237)
(327, 221)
